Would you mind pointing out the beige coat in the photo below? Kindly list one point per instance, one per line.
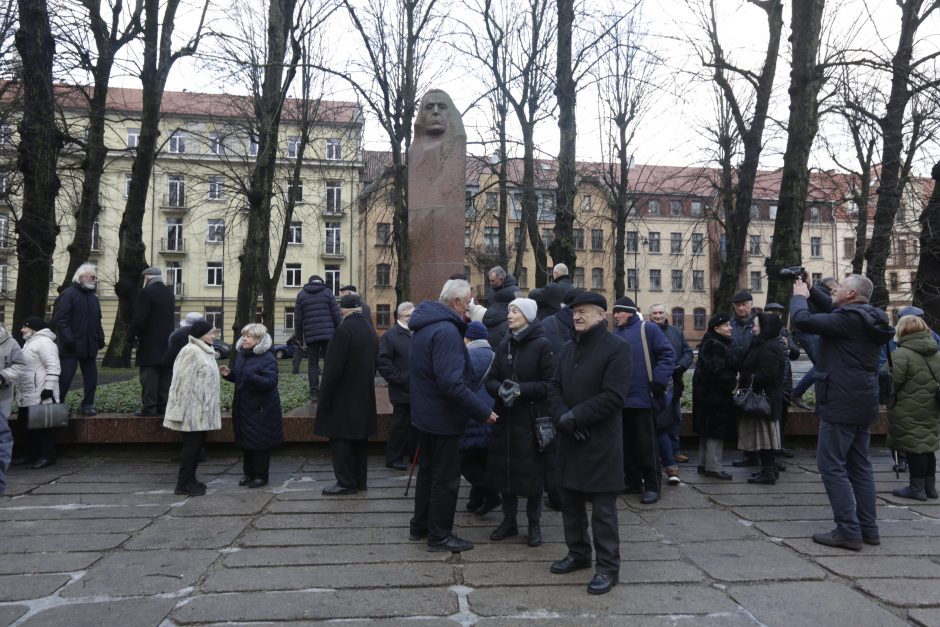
(41, 371)
(194, 403)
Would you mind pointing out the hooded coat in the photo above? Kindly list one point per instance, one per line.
(194, 402)
(41, 371)
(346, 409)
(914, 421)
(77, 321)
(256, 405)
(12, 367)
(476, 435)
(441, 400)
(765, 362)
(513, 464)
(713, 382)
(152, 323)
(846, 379)
(316, 314)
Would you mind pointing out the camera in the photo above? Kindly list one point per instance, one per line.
(793, 273)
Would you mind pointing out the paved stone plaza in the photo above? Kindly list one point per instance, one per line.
(100, 539)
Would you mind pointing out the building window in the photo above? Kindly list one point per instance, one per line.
(292, 276)
(490, 240)
(696, 208)
(698, 243)
(383, 316)
(331, 277)
(491, 201)
(334, 197)
(773, 212)
(295, 191)
(756, 279)
(216, 145)
(656, 280)
(213, 316)
(579, 277)
(597, 278)
(815, 247)
(288, 318)
(252, 146)
(654, 242)
(127, 185)
(214, 274)
(698, 280)
(383, 234)
(293, 143)
(548, 235)
(177, 143)
(633, 241)
(176, 191)
(814, 214)
(259, 315)
(523, 277)
(216, 232)
(174, 277)
(848, 247)
(754, 245)
(586, 203)
(5, 231)
(133, 138)
(755, 212)
(698, 318)
(516, 238)
(469, 209)
(174, 235)
(383, 275)
(678, 317)
(677, 280)
(632, 283)
(577, 238)
(466, 238)
(216, 188)
(333, 242)
(652, 208)
(675, 208)
(815, 277)
(675, 243)
(95, 234)
(597, 239)
(546, 206)
(334, 149)
(893, 282)
(6, 135)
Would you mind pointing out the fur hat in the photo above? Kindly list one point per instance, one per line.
(625, 303)
(590, 298)
(527, 307)
(476, 331)
(200, 328)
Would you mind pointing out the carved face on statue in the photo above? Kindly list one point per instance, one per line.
(437, 115)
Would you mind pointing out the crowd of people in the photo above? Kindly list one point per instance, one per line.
(537, 396)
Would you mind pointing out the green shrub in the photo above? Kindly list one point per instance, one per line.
(809, 397)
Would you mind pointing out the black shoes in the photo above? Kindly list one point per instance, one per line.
(337, 490)
(506, 529)
(258, 482)
(535, 534)
(245, 480)
(717, 474)
(602, 583)
(488, 506)
(746, 462)
(649, 497)
(191, 489)
(399, 465)
(834, 538)
(766, 476)
(451, 543)
(569, 564)
(45, 462)
(88, 410)
(553, 504)
(414, 535)
(140, 413)
(872, 540)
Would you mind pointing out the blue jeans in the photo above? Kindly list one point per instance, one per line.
(842, 460)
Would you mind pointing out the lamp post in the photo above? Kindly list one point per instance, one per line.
(640, 240)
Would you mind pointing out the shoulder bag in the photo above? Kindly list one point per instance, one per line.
(658, 404)
(751, 403)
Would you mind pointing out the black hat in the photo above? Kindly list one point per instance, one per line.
(625, 303)
(742, 297)
(590, 298)
(315, 278)
(717, 320)
(774, 307)
(200, 328)
(348, 288)
(35, 323)
(350, 301)
(538, 295)
(571, 295)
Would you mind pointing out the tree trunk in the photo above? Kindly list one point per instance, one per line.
(562, 247)
(927, 282)
(806, 78)
(862, 198)
(530, 206)
(38, 152)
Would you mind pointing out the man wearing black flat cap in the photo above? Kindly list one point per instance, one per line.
(366, 310)
(588, 390)
(742, 323)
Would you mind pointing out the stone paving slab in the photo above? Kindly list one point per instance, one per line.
(925, 618)
(22, 587)
(136, 573)
(9, 613)
(904, 547)
(26, 563)
(190, 533)
(887, 528)
(77, 512)
(143, 499)
(11, 529)
(812, 603)
(737, 619)
(904, 592)
(683, 526)
(810, 512)
(764, 499)
(104, 613)
(874, 566)
(374, 575)
(481, 575)
(63, 543)
(750, 560)
(239, 504)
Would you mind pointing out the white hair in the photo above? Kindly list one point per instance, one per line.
(454, 288)
(405, 306)
(654, 306)
(560, 269)
(255, 330)
(83, 269)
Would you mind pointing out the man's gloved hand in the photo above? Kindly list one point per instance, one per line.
(567, 423)
(581, 435)
(678, 371)
(508, 392)
(46, 395)
(657, 388)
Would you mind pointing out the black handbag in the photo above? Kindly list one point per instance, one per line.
(47, 416)
(544, 432)
(751, 403)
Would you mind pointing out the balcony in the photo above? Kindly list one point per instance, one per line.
(174, 202)
(332, 250)
(333, 213)
(179, 289)
(173, 246)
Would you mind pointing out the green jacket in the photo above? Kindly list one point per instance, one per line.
(914, 422)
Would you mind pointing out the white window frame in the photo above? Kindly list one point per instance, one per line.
(334, 196)
(295, 233)
(216, 188)
(215, 231)
(176, 145)
(214, 274)
(132, 139)
(292, 275)
(295, 191)
(293, 143)
(334, 149)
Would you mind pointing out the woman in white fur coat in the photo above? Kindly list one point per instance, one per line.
(194, 406)
(38, 383)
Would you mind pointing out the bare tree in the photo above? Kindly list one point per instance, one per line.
(38, 152)
(158, 60)
(927, 284)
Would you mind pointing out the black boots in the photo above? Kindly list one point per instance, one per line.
(535, 534)
(930, 487)
(506, 529)
(768, 469)
(914, 490)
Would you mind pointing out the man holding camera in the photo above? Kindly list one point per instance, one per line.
(851, 335)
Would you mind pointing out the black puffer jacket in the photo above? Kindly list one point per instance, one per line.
(765, 362)
(713, 382)
(256, 406)
(316, 314)
(77, 320)
(513, 464)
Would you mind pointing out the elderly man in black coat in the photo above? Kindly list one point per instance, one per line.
(151, 329)
(587, 393)
(392, 362)
(346, 411)
(554, 293)
(77, 319)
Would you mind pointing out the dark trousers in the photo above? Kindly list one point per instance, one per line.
(603, 525)
(89, 377)
(533, 507)
(846, 472)
(473, 469)
(189, 456)
(256, 463)
(314, 350)
(350, 462)
(36, 443)
(640, 449)
(922, 465)
(296, 359)
(154, 387)
(437, 485)
(402, 437)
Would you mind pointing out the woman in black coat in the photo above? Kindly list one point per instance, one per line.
(256, 406)
(763, 367)
(713, 383)
(519, 379)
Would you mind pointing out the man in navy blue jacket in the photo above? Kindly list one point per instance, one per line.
(640, 449)
(441, 402)
(316, 316)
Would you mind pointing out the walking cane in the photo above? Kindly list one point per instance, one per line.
(897, 472)
(414, 462)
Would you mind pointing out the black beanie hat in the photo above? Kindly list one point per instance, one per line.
(200, 328)
(35, 323)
